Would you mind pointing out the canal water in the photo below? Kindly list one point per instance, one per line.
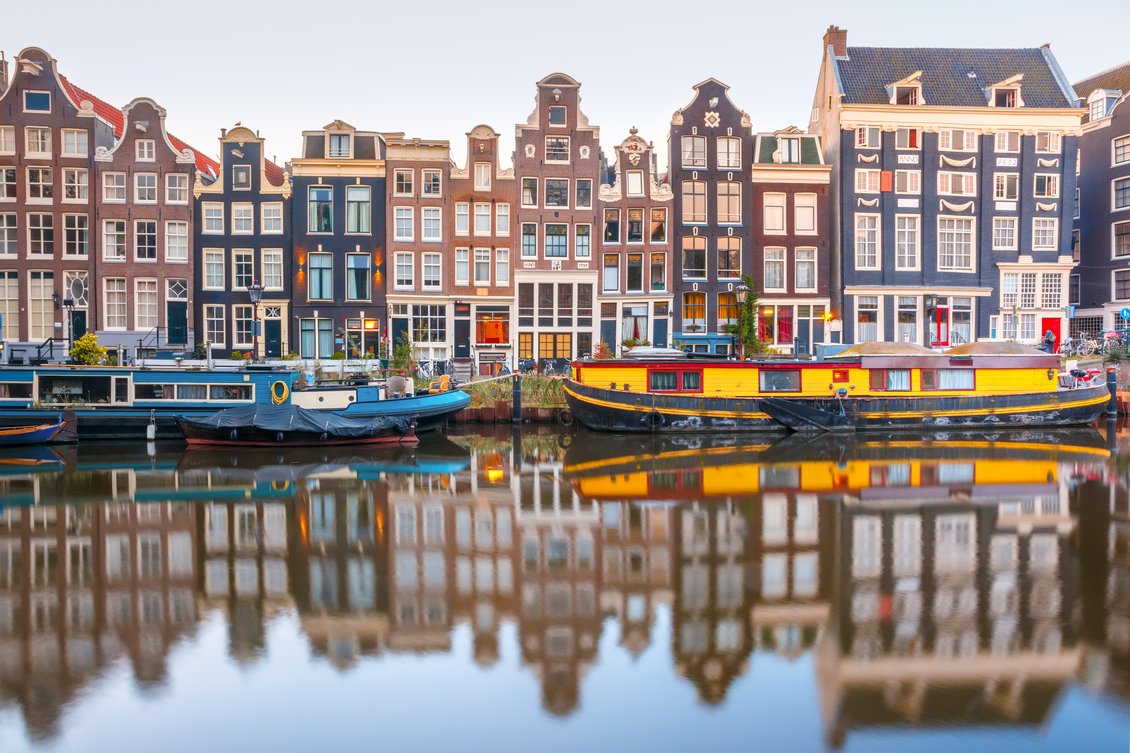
(570, 592)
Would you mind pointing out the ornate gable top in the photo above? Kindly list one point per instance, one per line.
(338, 125)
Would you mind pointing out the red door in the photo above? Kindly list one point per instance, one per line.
(1051, 324)
(941, 333)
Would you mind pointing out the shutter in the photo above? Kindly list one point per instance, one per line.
(886, 181)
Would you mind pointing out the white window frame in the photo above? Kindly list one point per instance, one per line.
(969, 139)
(110, 287)
(406, 213)
(476, 257)
(1002, 183)
(72, 134)
(910, 180)
(483, 170)
(396, 174)
(397, 258)
(502, 267)
(1001, 139)
(502, 219)
(214, 257)
(462, 218)
(805, 201)
(242, 212)
(868, 137)
(797, 261)
(1051, 186)
(947, 178)
(729, 159)
(433, 215)
(147, 323)
(431, 172)
(115, 182)
(70, 174)
(176, 184)
(481, 210)
(268, 258)
(878, 220)
(917, 230)
(43, 139)
(145, 150)
(462, 266)
(271, 218)
(1054, 141)
(170, 225)
(1011, 221)
(431, 259)
(867, 180)
(1054, 224)
(972, 243)
(217, 210)
(7, 139)
(137, 188)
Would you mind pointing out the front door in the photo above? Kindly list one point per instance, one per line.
(272, 338)
(398, 331)
(462, 338)
(940, 326)
(660, 339)
(802, 336)
(1051, 324)
(78, 324)
(608, 333)
(176, 322)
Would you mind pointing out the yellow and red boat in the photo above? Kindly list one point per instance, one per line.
(870, 386)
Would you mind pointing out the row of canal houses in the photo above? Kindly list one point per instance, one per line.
(933, 199)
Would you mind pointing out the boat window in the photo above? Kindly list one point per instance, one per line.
(692, 381)
(192, 392)
(230, 392)
(664, 380)
(15, 389)
(947, 379)
(154, 392)
(890, 379)
(780, 381)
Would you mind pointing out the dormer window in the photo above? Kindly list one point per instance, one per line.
(241, 177)
(908, 95)
(557, 115)
(1006, 93)
(1100, 102)
(340, 145)
(789, 150)
(482, 176)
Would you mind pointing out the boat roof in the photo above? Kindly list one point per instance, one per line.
(651, 351)
(994, 348)
(884, 349)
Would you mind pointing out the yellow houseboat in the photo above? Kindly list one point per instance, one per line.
(871, 386)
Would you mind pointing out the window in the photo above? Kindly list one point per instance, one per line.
(908, 181)
(40, 187)
(957, 140)
(729, 201)
(9, 305)
(1049, 142)
(1004, 233)
(462, 266)
(1121, 150)
(242, 219)
(584, 193)
(788, 150)
(729, 253)
(557, 115)
(1051, 290)
(358, 209)
(8, 139)
(114, 187)
(610, 276)
(213, 217)
(1047, 186)
(774, 214)
(775, 269)
(867, 137)
(9, 236)
(556, 148)
(947, 379)
(1006, 186)
(728, 309)
(1028, 290)
(659, 272)
(611, 225)
(429, 324)
(340, 145)
(145, 150)
(866, 241)
(7, 183)
(805, 274)
(634, 183)
(1006, 97)
(883, 380)
(634, 273)
(694, 256)
(908, 138)
(272, 262)
(37, 142)
(432, 182)
(404, 272)
(145, 311)
(804, 214)
(215, 322)
(529, 239)
(955, 243)
(176, 188)
(41, 234)
(583, 241)
(403, 224)
(867, 318)
(694, 201)
(1009, 289)
(482, 219)
(1121, 189)
(113, 239)
(115, 302)
(779, 380)
(502, 219)
(482, 266)
(957, 184)
(556, 240)
(145, 240)
(529, 192)
(557, 192)
(320, 287)
(432, 225)
(75, 143)
(694, 312)
(320, 209)
(635, 225)
(1044, 232)
(1006, 141)
(658, 225)
(1121, 239)
(75, 235)
(213, 269)
(242, 325)
(482, 176)
(432, 272)
(867, 181)
(1122, 284)
(729, 153)
(402, 183)
(145, 188)
(694, 151)
(271, 215)
(243, 268)
(906, 242)
(502, 267)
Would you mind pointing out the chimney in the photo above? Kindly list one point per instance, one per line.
(836, 37)
(3, 73)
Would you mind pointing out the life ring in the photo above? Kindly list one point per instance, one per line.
(565, 417)
(279, 392)
(652, 419)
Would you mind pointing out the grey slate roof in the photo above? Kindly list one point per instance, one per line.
(867, 71)
(1112, 78)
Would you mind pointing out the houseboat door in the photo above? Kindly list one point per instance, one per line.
(940, 325)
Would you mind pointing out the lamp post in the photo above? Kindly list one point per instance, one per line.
(69, 305)
(742, 292)
(255, 292)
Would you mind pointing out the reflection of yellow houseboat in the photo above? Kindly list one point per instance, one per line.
(870, 386)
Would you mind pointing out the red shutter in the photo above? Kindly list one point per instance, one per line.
(886, 181)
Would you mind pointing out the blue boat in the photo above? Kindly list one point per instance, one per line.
(36, 434)
(110, 402)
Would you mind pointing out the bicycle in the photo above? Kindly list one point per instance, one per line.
(1077, 347)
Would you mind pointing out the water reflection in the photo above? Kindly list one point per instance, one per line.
(959, 581)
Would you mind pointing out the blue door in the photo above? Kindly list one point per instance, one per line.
(660, 339)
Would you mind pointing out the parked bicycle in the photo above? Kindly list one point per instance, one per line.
(1077, 347)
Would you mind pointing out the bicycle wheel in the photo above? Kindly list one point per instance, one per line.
(1087, 348)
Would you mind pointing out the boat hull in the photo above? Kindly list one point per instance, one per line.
(23, 435)
(251, 436)
(611, 410)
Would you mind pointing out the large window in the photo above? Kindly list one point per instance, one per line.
(482, 219)
(242, 219)
(431, 225)
(321, 286)
(429, 324)
(37, 142)
(41, 234)
(866, 241)
(729, 153)
(775, 269)
(113, 239)
(1044, 233)
(1121, 191)
(694, 201)
(321, 209)
(145, 240)
(482, 266)
(213, 216)
(906, 242)
(272, 260)
(402, 182)
(145, 188)
(482, 176)
(729, 253)
(431, 182)
(694, 312)
(955, 244)
(694, 256)
(403, 272)
(694, 151)
(773, 213)
(556, 240)
(610, 276)
(76, 143)
(557, 192)
(529, 239)
(403, 224)
(729, 201)
(213, 269)
(358, 277)
(432, 268)
(145, 312)
(1006, 186)
(215, 321)
(40, 187)
(116, 303)
(1004, 233)
(556, 148)
(75, 235)
(805, 280)
(867, 318)
(804, 213)
(358, 209)
(243, 268)
(75, 184)
(271, 215)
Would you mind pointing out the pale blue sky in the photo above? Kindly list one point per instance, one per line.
(435, 69)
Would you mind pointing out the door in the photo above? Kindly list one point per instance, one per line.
(398, 331)
(1051, 324)
(803, 326)
(78, 324)
(462, 338)
(660, 339)
(608, 334)
(176, 322)
(940, 326)
(272, 338)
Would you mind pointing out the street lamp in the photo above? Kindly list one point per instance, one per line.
(69, 305)
(742, 292)
(255, 292)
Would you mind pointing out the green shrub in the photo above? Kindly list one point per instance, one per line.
(338, 356)
(88, 352)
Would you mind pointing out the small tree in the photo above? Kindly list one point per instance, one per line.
(746, 328)
(402, 358)
(87, 351)
(602, 351)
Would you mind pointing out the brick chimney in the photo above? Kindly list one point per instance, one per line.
(836, 37)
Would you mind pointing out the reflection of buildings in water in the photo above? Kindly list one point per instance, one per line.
(956, 602)
(560, 626)
(244, 556)
(82, 586)
(338, 566)
(636, 550)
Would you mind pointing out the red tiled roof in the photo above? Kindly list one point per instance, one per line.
(117, 121)
(274, 172)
